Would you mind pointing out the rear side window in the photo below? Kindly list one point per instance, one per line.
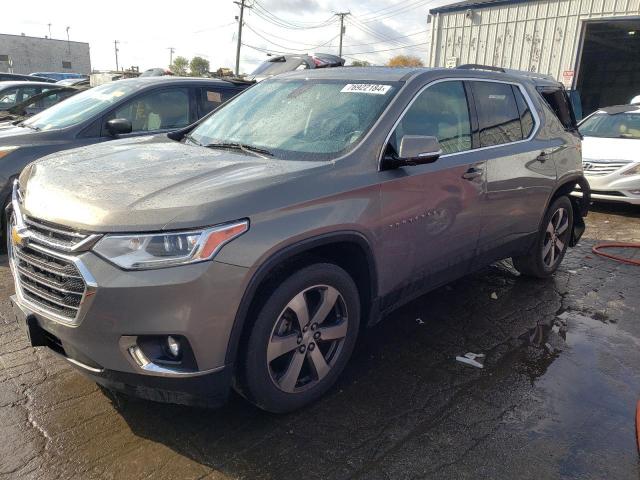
(526, 117)
(498, 115)
(440, 111)
(212, 98)
(557, 99)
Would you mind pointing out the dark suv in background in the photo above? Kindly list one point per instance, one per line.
(250, 249)
(126, 108)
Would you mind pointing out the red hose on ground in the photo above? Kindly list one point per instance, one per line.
(596, 249)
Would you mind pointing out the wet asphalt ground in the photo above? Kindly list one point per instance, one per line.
(556, 398)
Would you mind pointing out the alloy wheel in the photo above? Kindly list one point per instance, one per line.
(307, 338)
(555, 238)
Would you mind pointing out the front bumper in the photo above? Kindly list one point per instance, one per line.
(209, 390)
(197, 302)
(615, 187)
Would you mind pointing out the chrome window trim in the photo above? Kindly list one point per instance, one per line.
(525, 94)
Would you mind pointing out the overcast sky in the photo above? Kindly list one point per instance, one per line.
(208, 28)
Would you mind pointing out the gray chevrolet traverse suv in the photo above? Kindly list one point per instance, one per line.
(249, 250)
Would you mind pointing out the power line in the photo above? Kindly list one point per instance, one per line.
(214, 28)
(379, 12)
(286, 39)
(390, 49)
(371, 31)
(386, 41)
(266, 15)
(285, 46)
(264, 50)
(398, 11)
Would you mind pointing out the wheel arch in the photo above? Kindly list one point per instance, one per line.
(348, 249)
(580, 205)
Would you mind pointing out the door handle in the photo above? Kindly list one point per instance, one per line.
(472, 173)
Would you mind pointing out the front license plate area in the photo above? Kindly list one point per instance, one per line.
(29, 324)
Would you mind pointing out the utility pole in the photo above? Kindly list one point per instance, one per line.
(171, 50)
(242, 5)
(68, 44)
(115, 46)
(49, 29)
(342, 29)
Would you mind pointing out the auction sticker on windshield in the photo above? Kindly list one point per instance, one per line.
(366, 88)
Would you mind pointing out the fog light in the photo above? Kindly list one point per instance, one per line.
(173, 346)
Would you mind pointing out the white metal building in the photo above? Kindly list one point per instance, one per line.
(592, 46)
(23, 54)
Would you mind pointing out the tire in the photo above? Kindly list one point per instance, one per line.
(543, 259)
(289, 360)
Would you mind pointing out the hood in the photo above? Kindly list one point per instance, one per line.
(153, 183)
(610, 149)
(14, 135)
(6, 123)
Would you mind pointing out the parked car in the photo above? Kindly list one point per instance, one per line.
(288, 63)
(127, 108)
(75, 82)
(13, 93)
(156, 72)
(13, 77)
(610, 159)
(249, 249)
(55, 76)
(35, 104)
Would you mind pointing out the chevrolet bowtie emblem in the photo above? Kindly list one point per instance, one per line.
(16, 237)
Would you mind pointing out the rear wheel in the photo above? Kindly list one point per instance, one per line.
(552, 241)
(302, 338)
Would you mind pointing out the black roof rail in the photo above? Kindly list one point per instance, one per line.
(524, 73)
(477, 66)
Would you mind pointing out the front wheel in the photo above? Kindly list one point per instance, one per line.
(302, 338)
(552, 241)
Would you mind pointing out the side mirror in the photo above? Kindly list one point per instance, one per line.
(418, 149)
(119, 126)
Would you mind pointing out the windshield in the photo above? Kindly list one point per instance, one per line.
(81, 107)
(621, 125)
(298, 119)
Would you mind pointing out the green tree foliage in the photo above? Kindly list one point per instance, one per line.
(198, 66)
(360, 63)
(179, 66)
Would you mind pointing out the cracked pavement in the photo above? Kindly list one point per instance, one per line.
(556, 397)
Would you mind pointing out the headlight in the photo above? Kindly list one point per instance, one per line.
(632, 171)
(4, 151)
(158, 250)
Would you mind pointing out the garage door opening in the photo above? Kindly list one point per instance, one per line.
(609, 68)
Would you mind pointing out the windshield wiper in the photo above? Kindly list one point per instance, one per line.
(260, 152)
(24, 125)
(192, 140)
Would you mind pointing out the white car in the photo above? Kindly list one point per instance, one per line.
(611, 153)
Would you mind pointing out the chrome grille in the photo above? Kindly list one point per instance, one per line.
(597, 168)
(48, 281)
(47, 274)
(55, 237)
